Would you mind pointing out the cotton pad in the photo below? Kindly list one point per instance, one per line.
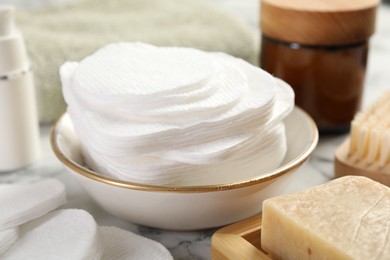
(162, 73)
(176, 116)
(120, 244)
(62, 234)
(20, 203)
(8, 238)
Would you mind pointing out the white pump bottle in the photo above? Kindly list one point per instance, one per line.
(19, 129)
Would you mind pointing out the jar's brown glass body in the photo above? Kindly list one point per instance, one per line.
(328, 81)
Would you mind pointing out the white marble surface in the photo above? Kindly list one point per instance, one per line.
(196, 245)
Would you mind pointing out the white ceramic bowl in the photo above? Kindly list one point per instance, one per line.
(190, 207)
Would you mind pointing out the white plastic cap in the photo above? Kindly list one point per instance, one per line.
(12, 49)
(7, 25)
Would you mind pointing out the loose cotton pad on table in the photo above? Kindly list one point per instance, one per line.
(62, 234)
(120, 244)
(20, 203)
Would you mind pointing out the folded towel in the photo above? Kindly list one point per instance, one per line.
(70, 32)
(8, 238)
(20, 203)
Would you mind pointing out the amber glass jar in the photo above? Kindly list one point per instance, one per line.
(320, 48)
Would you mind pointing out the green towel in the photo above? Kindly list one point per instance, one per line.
(70, 32)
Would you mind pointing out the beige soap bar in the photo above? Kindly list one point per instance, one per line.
(347, 218)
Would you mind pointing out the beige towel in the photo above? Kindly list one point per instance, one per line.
(70, 32)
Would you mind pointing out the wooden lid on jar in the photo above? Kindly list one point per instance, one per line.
(318, 22)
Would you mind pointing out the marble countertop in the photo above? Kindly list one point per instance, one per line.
(196, 244)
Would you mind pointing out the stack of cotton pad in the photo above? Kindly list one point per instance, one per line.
(28, 230)
(176, 116)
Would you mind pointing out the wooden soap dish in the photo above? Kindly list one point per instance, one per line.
(239, 241)
(345, 165)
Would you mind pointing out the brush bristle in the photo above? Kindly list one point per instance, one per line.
(370, 133)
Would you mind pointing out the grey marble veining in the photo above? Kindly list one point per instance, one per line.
(196, 244)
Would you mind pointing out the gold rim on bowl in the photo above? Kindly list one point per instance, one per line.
(292, 165)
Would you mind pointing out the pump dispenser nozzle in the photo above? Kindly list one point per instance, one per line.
(7, 25)
(13, 55)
